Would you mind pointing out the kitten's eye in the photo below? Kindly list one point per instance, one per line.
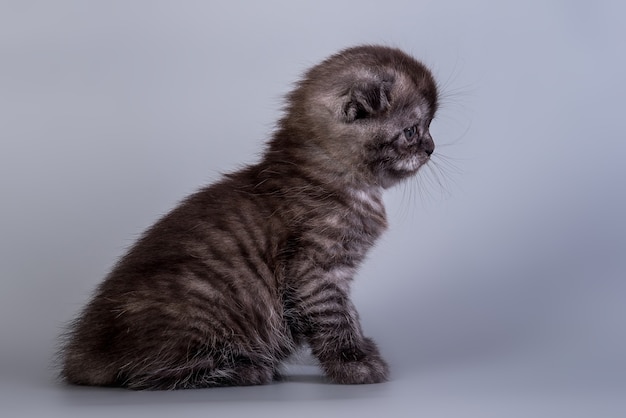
(409, 133)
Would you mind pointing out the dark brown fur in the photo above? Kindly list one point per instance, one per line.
(228, 284)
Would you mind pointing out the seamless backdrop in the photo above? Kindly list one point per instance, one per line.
(500, 288)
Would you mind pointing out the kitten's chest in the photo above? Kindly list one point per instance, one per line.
(368, 210)
(345, 231)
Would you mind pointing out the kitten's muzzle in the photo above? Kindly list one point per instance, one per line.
(427, 144)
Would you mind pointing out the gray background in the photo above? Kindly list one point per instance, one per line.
(500, 288)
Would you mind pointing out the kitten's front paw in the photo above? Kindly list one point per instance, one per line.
(358, 366)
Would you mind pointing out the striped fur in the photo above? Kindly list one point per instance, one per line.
(227, 285)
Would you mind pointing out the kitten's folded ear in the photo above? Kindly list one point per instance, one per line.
(367, 98)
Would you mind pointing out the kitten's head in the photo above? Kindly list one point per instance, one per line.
(367, 111)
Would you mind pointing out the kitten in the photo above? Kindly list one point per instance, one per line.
(227, 285)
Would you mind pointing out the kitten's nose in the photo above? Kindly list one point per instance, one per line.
(427, 144)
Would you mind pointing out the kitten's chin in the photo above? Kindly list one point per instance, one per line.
(402, 170)
(410, 165)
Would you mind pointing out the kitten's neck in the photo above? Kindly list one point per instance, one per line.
(321, 166)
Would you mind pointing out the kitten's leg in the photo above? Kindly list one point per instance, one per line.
(336, 339)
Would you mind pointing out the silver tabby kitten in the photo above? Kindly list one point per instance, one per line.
(227, 285)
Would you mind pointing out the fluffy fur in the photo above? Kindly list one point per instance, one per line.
(223, 288)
